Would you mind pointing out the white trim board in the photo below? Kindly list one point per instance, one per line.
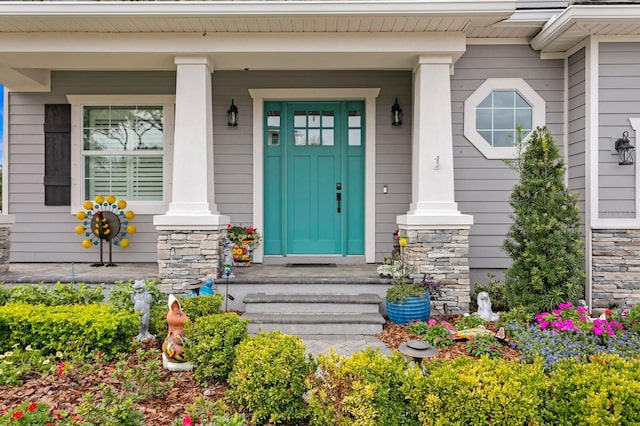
(369, 96)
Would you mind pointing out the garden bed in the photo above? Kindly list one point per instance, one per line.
(67, 389)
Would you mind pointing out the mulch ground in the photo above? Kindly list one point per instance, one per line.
(66, 391)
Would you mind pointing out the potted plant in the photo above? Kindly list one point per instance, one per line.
(407, 300)
(246, 239)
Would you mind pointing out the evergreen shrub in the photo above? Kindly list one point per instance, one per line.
(544, 240)
(482, 391)
(210, 345)
(268, 378)
(363, 389)
(78, 329)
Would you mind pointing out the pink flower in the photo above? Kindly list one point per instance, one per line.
(597, 331)
(544, 324)
(584, 319)
(565, 305)
(556, 312)
(431, 322)
(188, 421)
(582, 310)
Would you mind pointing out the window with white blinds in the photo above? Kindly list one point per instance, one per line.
(123, 151)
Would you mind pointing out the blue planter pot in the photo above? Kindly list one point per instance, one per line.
(414, 309)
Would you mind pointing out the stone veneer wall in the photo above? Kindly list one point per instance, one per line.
(615, 267)
(5, 247)
(443, 254)
(185, 255)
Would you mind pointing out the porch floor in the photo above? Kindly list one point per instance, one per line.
(83, 272)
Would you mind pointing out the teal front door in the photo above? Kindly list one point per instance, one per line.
(314, 169)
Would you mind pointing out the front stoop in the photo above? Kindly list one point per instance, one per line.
(314, 314)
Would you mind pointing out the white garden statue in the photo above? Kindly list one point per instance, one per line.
(484, 307)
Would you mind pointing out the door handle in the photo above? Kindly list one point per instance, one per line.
(339, 200)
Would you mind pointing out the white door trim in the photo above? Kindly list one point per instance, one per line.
(368, 95)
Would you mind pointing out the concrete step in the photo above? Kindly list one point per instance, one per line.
(316, 324)
(312, 303)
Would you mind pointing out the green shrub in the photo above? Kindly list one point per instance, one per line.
(605, 391)
(469, 321)
(544, 239)
(518, 316)
(210, 345)
(51, 295)
(363, 389)
(142, 378)
(484, 344)
(18, 364)
(80, 329)
(483, 391)
(32, 413)
(196, 307)
(268, 378)
(112, 408)
(210, 413)
(497, 294)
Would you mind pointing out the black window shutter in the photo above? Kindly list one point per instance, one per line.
(57, 155)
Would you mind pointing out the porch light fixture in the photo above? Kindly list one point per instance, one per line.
(625, 150)
(232, 115)
(396, 114)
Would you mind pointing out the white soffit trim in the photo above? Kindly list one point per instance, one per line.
(202, 9)
(571, 18)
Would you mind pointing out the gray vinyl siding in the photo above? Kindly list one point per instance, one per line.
(576, 128)
(619, 99)
(233, 145)
(46, 233)
(482, 186)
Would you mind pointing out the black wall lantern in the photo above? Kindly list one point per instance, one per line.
(232, 115)
(396, 114)
(625, 150)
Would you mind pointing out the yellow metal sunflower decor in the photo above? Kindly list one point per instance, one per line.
(104, 219)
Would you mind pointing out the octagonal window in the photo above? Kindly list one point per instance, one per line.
(495, 111)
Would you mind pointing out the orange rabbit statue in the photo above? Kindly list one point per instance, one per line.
(172, 348)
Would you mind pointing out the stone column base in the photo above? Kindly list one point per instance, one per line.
(185, 255)
(615, 268)
(442, 253)
(6, 221)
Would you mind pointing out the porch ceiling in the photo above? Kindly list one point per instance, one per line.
(37, 37)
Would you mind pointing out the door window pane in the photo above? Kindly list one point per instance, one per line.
(327, 119)
(314, 119)
(300, 119)
(314, 136)
(327, 137)
(355, 120)
(355, 137)
(301, 136)
(273, 119)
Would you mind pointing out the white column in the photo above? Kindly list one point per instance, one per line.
(192, 200)
(432, 198)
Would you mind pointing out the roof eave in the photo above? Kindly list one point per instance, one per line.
(560, 24)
